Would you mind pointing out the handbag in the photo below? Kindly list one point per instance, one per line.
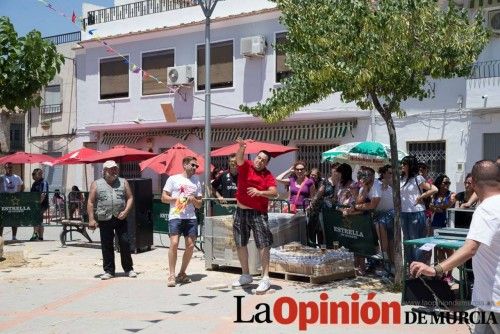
(293, 207)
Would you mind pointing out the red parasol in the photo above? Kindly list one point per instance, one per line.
(26, 158)
(121, 154)
(254, 147)
(170, 161)
(76, 157)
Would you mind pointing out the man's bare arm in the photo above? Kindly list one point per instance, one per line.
(240, 154)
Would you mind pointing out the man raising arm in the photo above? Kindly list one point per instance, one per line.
(256, 185)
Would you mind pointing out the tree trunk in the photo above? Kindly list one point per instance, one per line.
(4, 133)
(386, 114)
(396, 197)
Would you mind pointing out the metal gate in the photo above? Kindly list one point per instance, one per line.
(311, 154)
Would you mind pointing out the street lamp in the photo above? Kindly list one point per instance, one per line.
(208, 7)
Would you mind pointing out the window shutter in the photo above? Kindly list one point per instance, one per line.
(114, 78)
(155, 64)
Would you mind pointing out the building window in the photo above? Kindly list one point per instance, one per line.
(113, 78)
(282, 70)
(311, 154)
(16, 137)
(155, 64)
(221, 68)
(52, 100)
(433, 153)
(491, 146)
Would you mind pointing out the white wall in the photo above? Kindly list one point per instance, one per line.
(171, 18)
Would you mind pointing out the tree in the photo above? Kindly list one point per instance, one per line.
(27, 65)
(374, 53)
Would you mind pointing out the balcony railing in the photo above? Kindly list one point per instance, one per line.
(485, 69)
(50, 109)
(65, 38)
(135, 9)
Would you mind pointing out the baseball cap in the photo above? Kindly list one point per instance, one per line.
(109, 164)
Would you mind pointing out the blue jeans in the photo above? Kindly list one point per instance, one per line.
(413, 225)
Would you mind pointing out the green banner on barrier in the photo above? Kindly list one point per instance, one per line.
(20, 209)
(353, 232)
(160, 216)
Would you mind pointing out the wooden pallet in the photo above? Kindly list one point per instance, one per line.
(312, 278)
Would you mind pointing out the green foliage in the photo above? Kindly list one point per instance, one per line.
(368, 50)
(27, 64)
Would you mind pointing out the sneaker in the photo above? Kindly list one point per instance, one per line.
(244, 279)
(34, 237)
(171, 281)
(377, 256)
(264, 285)
(14, 238)
(131, 274)
(40, 238)
(106, 276)
(182, 278)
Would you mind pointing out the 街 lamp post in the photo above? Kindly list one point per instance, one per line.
(208, 7)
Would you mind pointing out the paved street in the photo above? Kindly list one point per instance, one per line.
(57, 290)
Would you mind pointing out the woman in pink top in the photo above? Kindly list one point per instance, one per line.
(301, 188)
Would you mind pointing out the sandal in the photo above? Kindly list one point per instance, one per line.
(171, 281)
(183, 278)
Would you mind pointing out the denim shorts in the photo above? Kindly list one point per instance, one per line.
(385, 219)
(185, 227)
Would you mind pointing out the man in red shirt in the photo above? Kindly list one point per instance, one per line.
(256, 185)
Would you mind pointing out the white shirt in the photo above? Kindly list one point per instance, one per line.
(181, 187)
(485, 228)
(409, 194)
(386, 202)
(10, 183)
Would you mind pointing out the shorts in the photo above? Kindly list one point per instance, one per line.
(246, 220)
(185, 227)
(385, 219)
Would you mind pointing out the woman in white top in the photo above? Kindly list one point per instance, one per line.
(414, 188)
(383, 216)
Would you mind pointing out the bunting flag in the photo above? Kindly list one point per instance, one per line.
(135, 68)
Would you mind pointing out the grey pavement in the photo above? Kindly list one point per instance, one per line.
(57, 290)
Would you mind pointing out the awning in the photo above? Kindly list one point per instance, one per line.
(114, 138)
(301, 132)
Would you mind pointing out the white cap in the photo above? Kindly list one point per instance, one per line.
(109, 164)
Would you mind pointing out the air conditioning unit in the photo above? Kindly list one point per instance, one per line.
(254, 46)
(494, 20)
(180, 75)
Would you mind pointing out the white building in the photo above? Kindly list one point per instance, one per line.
(51, 128)
(117, 106)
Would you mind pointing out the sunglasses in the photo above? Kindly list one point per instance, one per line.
(299, 169)
(447, 183)
(194, 165)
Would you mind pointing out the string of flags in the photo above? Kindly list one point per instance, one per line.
(132, 67)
